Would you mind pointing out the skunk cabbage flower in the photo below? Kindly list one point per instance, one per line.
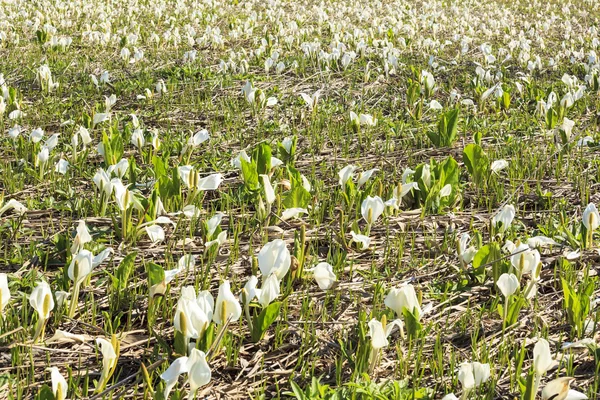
(311, 101)
(472, 375)
(405, 297)
(227, 307)
(59, 384)
(363, 240)
(591, 218)
(508, 284)
(4, 292)
(84, 262)
(499, 165)
(559, 389)
(275, 258)
(372, 208)
(324, 275)
(41, 300)
(82, 237)
(504, 218)
(379, 333)
(269, 291)
(294, 212)
(542, 357)
(525, 260)
(198, 370)
(171, 375)
(346, 174)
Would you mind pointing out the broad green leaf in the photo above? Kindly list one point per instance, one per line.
(124, 270)
(476, 161)
(264, 320)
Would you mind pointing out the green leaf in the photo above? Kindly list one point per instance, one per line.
(124, 271)
(298, 391)
(250, 174)
(156, 274)
(530, 387)
(477, 162)
(45, 393)
(435, 138)
(264, 320)
(514, 310)
(180, 344)
(263, 159)
(413, 326)
(297, 197)
(490, 253)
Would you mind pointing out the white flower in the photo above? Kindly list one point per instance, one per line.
(504, 218)
(213, 224)
(591, 218)
(542, 357)
(324, 275)
(450, 396)
(198, 138)
(123, 196)
(100, 117)
(467, 254)
(294, 212)
(403, 298)
(435, 105)
(559, 389)
(103, 182)
(540, 241)
(36, 135)
(379, 335)
(499, 165)
(508, 284)
(59, 384)
(210, 182)
(250, 289)
(41, 300)
(138, 139)
(191, 211)
(446, 191)
(524, 259)
(346, 173)
(43, 156)
(472, 375)
(427, 79)
(13, 204)
(363, 240)
(364, 177)
(311, 101)
(109, 355)
(198, 371)
(269, 191)
(221, 238)
(275, 258)
(227, 306)
(269, 291)
(372, 208)
(237, 163)
(171, 375)
(84, 262)
(82, 236)
(62, 166)
(567, 126)
(156, 233)
(4, 292)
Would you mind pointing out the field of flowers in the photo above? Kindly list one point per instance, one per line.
(343, 199)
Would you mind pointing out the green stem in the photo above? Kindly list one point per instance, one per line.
(39, 330)
(74, 299)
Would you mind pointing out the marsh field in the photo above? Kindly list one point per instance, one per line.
(334, 199)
